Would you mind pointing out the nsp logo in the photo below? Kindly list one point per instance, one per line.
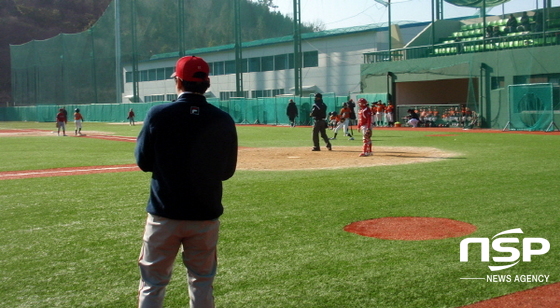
(527, 249)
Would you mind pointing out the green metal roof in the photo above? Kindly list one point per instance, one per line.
(476, 3)
(284, 39)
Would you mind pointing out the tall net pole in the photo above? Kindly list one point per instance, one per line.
(297, 49)
(238, 50)
(181, 27)
(135, 71)
(118, 65)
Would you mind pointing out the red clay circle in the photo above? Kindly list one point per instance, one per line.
(411, 228)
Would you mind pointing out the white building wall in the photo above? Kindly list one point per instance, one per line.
(338, 71)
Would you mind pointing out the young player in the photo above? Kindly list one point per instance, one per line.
(343, 122)
(78, 119)
(364, 124)
(333, 119)
(61, 121)
(389, 114)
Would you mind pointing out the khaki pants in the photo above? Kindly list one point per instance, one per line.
(162, 239)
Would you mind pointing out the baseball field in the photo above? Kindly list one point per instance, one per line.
(73, 216)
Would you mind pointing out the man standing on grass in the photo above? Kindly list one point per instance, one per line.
(319, 113)
(190, 147)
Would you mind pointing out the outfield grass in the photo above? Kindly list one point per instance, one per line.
(73, 241)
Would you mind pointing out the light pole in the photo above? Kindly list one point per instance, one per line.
(387, 4)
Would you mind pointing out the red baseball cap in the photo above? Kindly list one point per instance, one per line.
(192, 68)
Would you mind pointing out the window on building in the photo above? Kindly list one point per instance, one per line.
(542, 78)
(219, 68)
(169, 71)
(497, 83)
(257, 94)
(224, 96)
(254, 64)
(281, 62)
(171, 97)
(230, 67)
(266, 93)
(128, 77)
(152, 75)
(267, 63)
(160, 74)
(311, 59)
(291, 61)
(245, 65)
(144, 75)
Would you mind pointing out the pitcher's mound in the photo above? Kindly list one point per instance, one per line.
(411, 228)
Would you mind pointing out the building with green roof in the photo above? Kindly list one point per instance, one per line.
(331, 63)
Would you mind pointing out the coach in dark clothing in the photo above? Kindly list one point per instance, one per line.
(319, 113)
(190, 147)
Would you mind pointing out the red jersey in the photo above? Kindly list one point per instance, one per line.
(61, 117)
(389, 109)
(78, 116)
(364, 117)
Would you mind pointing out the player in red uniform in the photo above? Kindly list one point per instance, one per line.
(61, 121)
(364, 124)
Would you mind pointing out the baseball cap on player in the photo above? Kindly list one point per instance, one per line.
(192, 68)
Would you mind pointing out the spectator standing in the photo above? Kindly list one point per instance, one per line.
(319, 113)
(538, 19)
(292, 112)
(130, 117)
(190, 146)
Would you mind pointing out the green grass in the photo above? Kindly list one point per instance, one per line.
(73, 241)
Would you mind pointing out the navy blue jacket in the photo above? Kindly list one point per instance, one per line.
(190, 147)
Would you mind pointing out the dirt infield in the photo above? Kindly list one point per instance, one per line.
(539, 297)
(302, 158)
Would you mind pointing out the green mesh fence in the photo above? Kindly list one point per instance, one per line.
(270, 110)
(531, 107)
(67, 69)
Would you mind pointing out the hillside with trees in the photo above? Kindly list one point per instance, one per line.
(207, 23)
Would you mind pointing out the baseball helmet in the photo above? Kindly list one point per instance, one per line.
(77, 110)
(362, 102)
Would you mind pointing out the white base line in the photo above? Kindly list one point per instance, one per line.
(472, 278)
